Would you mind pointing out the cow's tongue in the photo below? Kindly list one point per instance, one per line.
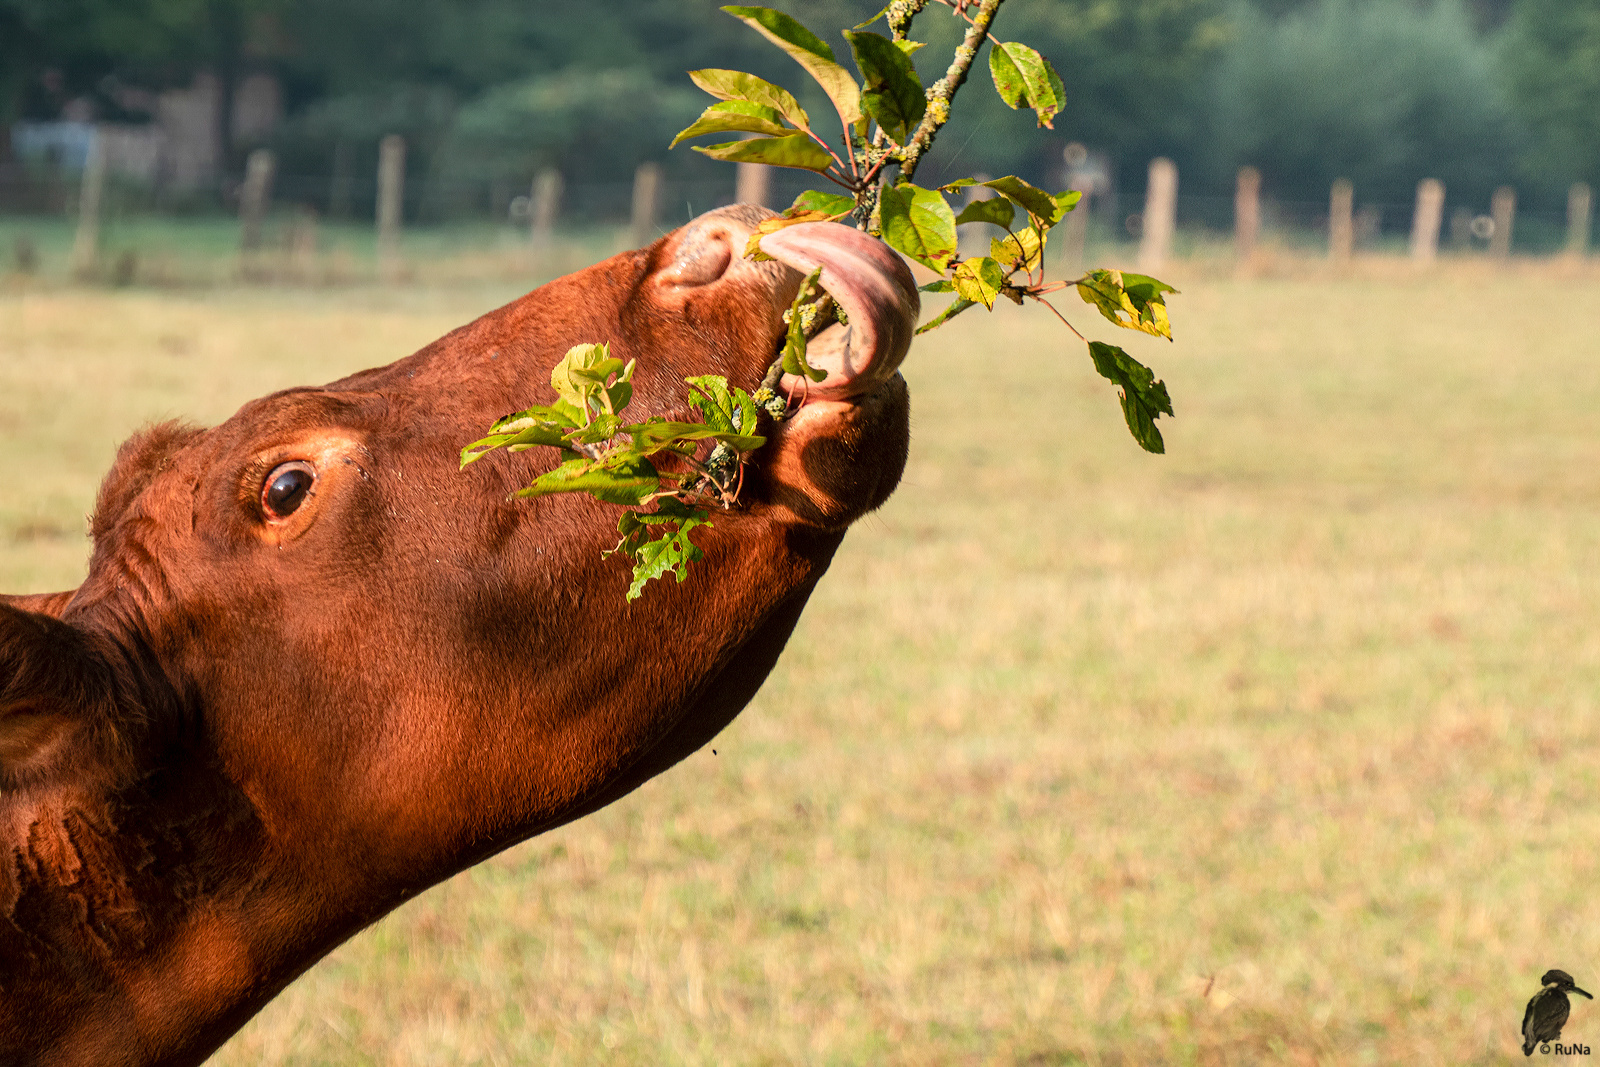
(879, 297)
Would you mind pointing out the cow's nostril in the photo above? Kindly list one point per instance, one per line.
(286, 489)
(701, 259)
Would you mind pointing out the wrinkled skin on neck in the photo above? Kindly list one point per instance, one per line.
(243, 739)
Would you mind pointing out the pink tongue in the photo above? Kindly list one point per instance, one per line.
(879, 297)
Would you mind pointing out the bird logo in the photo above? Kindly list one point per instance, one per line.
(1548, 1010)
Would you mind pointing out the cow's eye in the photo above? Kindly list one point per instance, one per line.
(286, 489)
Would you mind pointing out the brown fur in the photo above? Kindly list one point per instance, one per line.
(241, 741)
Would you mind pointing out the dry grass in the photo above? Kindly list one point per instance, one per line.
(1283, 748)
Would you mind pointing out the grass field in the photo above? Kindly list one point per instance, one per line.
(1281, 748)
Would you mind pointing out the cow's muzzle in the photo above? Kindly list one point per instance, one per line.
(879, 297)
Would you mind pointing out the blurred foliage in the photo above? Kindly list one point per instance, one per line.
(1384, 92)
(1475, 92)
(1130, 69)
(1553, 62)
(594, 124)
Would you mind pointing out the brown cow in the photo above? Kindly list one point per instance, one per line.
(314, 669)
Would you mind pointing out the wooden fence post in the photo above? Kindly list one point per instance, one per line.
(26, 254)
(1342, 221)
(1503, 209)
(1160, 215)
(646, 193)
(544, 205)
(1580, 212)
(391, 193)
(753, 184)
(1247, 214)
(254, 196)
(303, 244)
(1425, 222)
(86, 243)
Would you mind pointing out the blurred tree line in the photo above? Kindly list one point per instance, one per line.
(1475, 92)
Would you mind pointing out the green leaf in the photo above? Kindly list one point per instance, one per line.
(1044, 209)
(796, 150)
(957, 306)
(1132, 301)
(539, 425)
(672, 552)
(580, 378)
(602, 429)
(943, 285)
(911, 47)
(794, 345)
(979, 280)
(811, 52)
(1066, 201)
(919, 223)
(735, 116)
(1023, 76)
(737, 85)
(654, 436)
(893, 95)
(1143, 398)
(724, 409)
(713, 402)
(1020, 250)
(996, 210)
(619, 478)
(483, 446)
(560, 412)
(818, 200)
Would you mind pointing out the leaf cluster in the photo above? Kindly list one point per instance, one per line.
(637, 464)
(919, 222)
(888, 120)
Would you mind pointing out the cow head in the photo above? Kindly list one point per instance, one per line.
(315, 668)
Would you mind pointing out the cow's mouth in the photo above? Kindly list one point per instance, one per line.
(879, 298)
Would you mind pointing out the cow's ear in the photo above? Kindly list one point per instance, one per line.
(53, 693)
(139, 459)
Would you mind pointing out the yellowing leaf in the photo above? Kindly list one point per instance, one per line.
(811, 52)
(752, 247)
(735, 116)
(796, 150)
(978, 280)
(737, 85)
(1022, 251)
(1132, 301)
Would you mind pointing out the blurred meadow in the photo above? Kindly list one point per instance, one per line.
(1280, 748)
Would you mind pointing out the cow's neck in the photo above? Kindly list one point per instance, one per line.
(147, 924)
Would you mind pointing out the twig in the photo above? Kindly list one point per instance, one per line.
(1062, 317)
